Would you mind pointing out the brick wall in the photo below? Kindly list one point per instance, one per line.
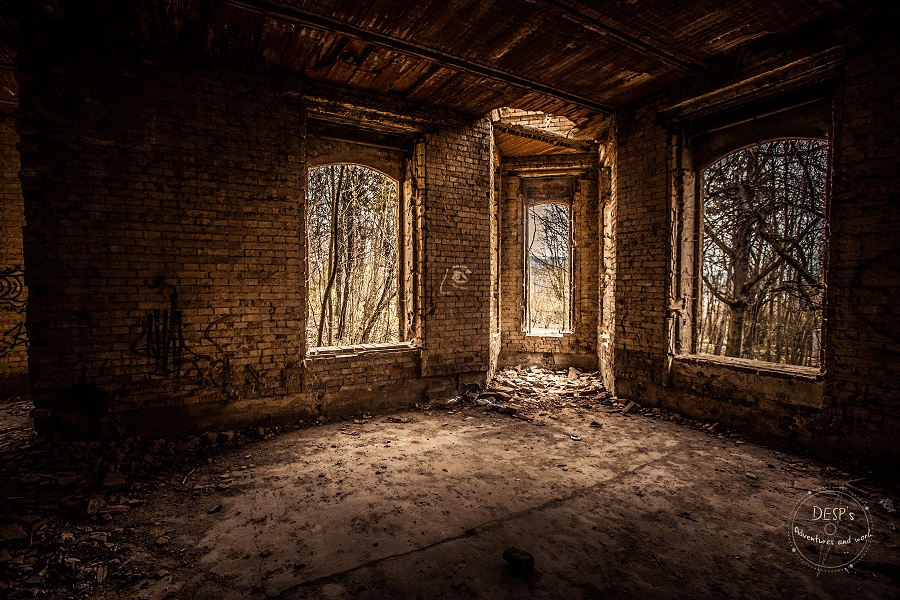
(450, 178)
(145, 176)
(496, 299)
(457, 249)
(373, 377)
(578, 348)
(608, 216)
(862, 341)
(13, 293)
(641, 247)
(536, 120)
(165, 247)
(854, 404)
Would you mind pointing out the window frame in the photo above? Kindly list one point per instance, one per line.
(701, 206)
(699, 134)
(527, 204)
(687, 264)
(399, 269)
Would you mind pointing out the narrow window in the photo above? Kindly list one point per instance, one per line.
(352, 256)
(763, 253)
(548, 280)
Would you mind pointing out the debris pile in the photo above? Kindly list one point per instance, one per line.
(528, 392)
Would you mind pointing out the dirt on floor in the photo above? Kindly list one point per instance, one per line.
(599, 498)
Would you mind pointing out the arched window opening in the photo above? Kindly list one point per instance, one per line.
(763, 234)
(548, 273)
(352, 256)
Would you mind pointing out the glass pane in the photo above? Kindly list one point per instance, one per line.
(352, 256)
(548, 263)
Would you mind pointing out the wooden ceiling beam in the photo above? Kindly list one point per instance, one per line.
(545, 137)
(580, 13)
(280, 10)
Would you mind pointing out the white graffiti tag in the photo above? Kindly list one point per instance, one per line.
(455, 278)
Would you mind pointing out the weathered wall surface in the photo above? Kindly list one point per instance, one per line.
(325, 151)
(608, 216)
(164, 197)
(164, 240)
(536, 120)
(767, 401)
(579, 347)
(496, 297)
(457, 251)
(374, 377)
(13, 293)
(450, 184)
(752, 397)
(641, 247)
(862, 337)
(853, 404)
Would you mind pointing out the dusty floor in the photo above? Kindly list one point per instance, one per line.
(422, 504)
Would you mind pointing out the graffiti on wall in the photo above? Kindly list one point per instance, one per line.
(12, 300)
(191, 355)
(455, 278)
(161, 339)
(13, 338)
(12, 289)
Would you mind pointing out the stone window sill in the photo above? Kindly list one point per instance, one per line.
(757, 367)
(538, 333)
(360, 349)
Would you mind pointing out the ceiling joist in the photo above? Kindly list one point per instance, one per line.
(283, 11)
(576, 11)
(545, 137)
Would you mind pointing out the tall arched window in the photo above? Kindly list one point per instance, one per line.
(763, 231)
(352, 256)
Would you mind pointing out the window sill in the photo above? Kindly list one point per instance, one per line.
(360, 349)
(757, 367)
(547, 333)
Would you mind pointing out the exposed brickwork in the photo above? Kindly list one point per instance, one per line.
(190, 180)
(325, 151)
(853, 405)
(758, 399)
(145, 175)
(641, 247)
(496, 300)
(13, 293)
(457, 249)
(329, 369)
(537, 120)
(333, 377)
(164, 197)
(580, 346)
(608, 215)
(862, 341)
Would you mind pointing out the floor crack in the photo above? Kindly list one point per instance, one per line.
(487, 525)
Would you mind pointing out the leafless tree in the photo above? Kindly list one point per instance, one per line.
(352, 256)
(548, 256)
(763, 252)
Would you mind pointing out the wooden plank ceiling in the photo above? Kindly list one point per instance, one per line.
(565, 57)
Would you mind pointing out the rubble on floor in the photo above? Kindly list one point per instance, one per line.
(61, 502)
(530, 393)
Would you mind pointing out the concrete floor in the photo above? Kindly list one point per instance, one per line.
(637, 508)
(423, 503)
